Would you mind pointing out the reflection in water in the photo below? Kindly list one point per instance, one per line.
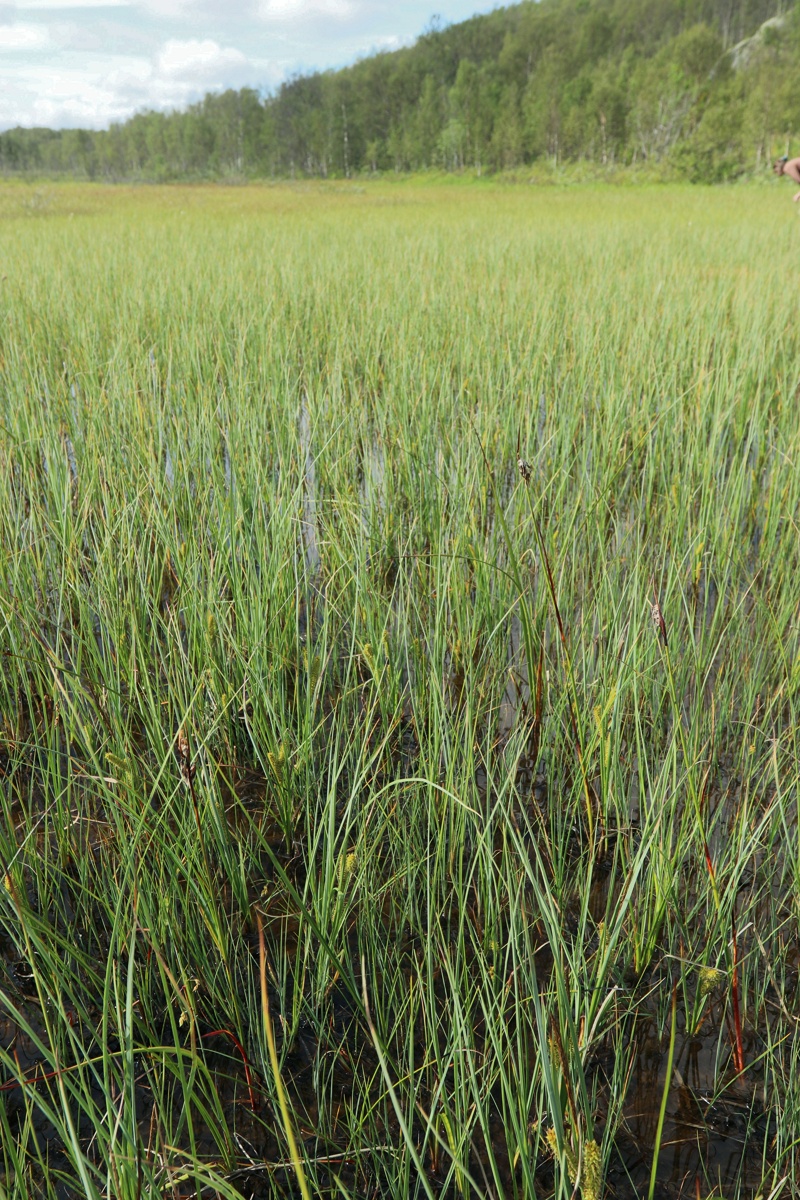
(705, 1132)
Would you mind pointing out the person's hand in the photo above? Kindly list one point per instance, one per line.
(796, 197)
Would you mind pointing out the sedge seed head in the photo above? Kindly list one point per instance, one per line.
(184, 756)
(277, 760)
(592, 1174)
(659, 623)
(709, 980)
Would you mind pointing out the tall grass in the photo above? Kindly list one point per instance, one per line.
(360, 834)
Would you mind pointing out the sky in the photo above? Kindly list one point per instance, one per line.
(87, 63)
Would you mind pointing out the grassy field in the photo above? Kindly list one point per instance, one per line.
(383, 816)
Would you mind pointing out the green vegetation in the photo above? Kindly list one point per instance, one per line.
(383, 815)
(701, 89)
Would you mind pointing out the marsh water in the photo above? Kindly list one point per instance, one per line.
(711, 1142)
(715, 1123)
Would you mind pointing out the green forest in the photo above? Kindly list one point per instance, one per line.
(702, 89)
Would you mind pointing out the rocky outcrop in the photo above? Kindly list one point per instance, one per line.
(743, 52)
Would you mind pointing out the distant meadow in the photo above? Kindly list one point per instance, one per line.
(399, 691)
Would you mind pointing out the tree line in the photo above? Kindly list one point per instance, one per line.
(708, 87)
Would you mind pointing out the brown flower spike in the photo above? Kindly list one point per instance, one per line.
(658, 619)
(523, 467)
(184, 756)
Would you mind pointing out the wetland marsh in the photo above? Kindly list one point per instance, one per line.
(399, 690)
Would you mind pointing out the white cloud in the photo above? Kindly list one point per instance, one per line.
(23, 37)
(53, 5)
(111, 87)
(72, 35)
(389, 42)
(303, 10)
(199, 12)
(168, 8)
(42, 96)
(67, 63)
(198, 61)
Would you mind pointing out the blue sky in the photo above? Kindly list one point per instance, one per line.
(87, 63)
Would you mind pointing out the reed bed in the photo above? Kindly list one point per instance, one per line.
(400, 645)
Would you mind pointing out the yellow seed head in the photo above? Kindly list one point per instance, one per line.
(277, 760)
(592, 1177)
(709, 980)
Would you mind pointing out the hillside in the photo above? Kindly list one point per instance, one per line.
(707, 86)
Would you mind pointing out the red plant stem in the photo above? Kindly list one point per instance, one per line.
(245, 1061)
(35, 1078)
(738, 1053)
(537, 712)
(738, 1042)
